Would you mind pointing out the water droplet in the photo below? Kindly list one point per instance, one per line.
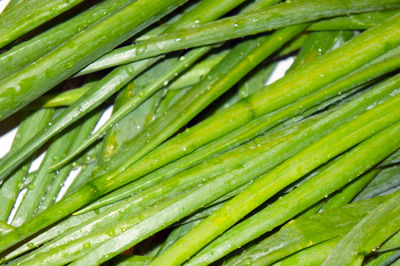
(86, 245)
(178, 39)
(69, 64)
(183, 148)
(140, 50)
(110, 233)
(197, 21)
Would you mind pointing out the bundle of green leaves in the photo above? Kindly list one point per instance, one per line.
(156, 132)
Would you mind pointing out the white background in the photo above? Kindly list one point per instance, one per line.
(3, 4)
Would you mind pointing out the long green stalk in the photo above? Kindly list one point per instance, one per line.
(314, 255)
(343, 196)
(191, 77)
(208, 169)
(29, 51)
(200, 154)
(317, 44)
(116, 228)
(28, 15)
(176, 234)
(240, 113)
(203, 12)
(43, 177)
(378, 260)
(117, 137)
(102, 90)
(368, 234)
(387, 179)
(362, 48)
(305, 232)
(197, 16)
(10, 188)
(349, 192)
(135, 101)
(23, 87)
(272, 182)
(256, 155)
(163, 79)
(393, 259)
(62, 99)
(390, 161)
(164, 189)
(337, 174)
(189, 179)
(133, 123)
(82, 132)
(391, 244)
(278, 16)
(242, 59)
(386, 63)
(353, 22)
(217, 9)
(62, 228)
(224, 183)
(90, 100)
(75, 248)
